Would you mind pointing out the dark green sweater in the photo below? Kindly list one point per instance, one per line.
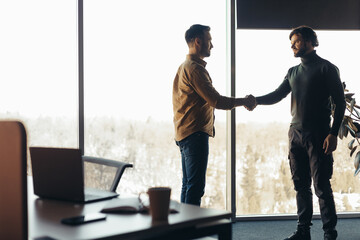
(312, 84)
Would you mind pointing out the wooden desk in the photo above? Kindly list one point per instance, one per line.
(190, 222)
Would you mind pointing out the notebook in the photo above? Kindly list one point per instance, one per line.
(133, 205)
(58, 173)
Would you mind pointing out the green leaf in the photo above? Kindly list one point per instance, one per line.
(346, 131)
(348, 96)
(355, 126)
(356, 163)
(351, 131)
(352, 126)
(351, 143)
(352, 151)
(357, 113)
(341, 131)
(352, 103)
(345, 120)
(357, 160)
(356, 171)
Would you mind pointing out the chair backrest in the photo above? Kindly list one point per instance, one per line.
(105, 173)
(13, 181)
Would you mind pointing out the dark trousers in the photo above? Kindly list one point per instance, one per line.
(194, 157)
(309, 162)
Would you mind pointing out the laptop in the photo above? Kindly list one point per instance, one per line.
(58, 173)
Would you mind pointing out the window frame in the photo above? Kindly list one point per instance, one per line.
(230, 118)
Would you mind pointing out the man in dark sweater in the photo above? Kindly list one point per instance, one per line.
(312, 139)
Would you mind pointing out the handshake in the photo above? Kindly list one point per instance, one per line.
(249, 102)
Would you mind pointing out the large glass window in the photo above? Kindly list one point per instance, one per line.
(132, 52)
(38, 74)
(263, 180)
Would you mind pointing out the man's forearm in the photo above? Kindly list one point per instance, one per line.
(227, 103)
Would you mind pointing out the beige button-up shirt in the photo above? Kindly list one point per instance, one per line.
(194, 99)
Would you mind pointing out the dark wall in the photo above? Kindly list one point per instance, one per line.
(287, 14)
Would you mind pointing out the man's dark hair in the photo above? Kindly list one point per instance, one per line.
(195, 31)
(307, 33)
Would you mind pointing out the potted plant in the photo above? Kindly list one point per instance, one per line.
(351, 124)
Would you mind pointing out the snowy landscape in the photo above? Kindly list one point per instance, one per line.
(263, 180)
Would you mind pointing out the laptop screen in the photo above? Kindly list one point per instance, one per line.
(57, 173)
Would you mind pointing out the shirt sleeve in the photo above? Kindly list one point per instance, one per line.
(202, 84)
(277, 95)
(337, 94)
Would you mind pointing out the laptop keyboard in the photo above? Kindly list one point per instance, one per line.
(91, 194)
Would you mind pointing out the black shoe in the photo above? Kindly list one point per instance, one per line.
(330, 235)
(300, 235)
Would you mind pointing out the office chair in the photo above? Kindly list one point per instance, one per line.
(103, 173)
(13, 181)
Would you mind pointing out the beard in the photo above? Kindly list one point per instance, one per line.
(301, 51)
(205, 52)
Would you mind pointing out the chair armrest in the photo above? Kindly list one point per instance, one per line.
(121, 166)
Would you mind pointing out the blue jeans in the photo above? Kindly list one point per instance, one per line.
(194, 157)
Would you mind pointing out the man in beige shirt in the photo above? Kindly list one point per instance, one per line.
(194, 101)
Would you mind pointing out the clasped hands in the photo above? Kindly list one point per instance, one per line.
(249, 102)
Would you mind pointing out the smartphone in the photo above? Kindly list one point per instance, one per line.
(90, 217)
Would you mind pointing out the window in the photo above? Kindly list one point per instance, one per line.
(38, 76)
(132, 52)
(264, 184)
